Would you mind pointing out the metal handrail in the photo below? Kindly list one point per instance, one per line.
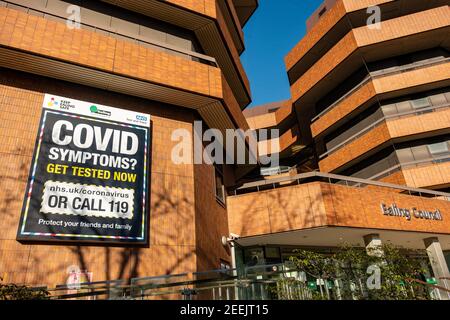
(378, 123)
(194, 287)
(275, 183)
(375, 76)
(204, 59)
(400, 166)
(429, 285)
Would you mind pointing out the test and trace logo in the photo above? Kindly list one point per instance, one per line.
(96, 110)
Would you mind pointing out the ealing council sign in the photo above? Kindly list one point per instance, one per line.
(88, 180)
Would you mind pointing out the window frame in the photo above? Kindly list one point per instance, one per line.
(219, 173)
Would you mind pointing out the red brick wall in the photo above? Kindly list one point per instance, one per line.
(184, 222)
(320, 204)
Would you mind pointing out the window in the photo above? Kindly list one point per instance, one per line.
(438, 148)
(220, 187)
(322, 12)
(420, 103)
(390, 109)
(273, 253)
(403, 106)
(420, 153)
(438, 99)
(405, 155)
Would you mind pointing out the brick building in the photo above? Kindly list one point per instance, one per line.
(369, 115)
(363, 145)
(175, 60)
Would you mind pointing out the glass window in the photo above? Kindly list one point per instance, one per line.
(220, 187)
(404, 106)
(438, 99)
(405, 155)
(420, 103)
(438, 148)
(254, 256)
(389, 109)
(447, 95)
(124, 27)
(152, 35)
(273, 253)
(179, 42)
(58, 8)
(35, 4)
(420, 153)
(96, 19)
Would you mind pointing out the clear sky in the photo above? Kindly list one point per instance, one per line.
(275, 28)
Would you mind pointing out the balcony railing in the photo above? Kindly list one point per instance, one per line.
(316, 176)
(379, 122)
(282, 281)
(194, 56)
(400, 166)
(379, 74)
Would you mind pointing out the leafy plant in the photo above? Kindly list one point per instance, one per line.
(349, 267)
(17, 292)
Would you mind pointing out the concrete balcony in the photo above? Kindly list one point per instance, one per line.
(245, 9)
(271, 115)
(430, 175)
(311, 202)
(286, 145)
(396, 83)
(37, 43)
(211, 27)
(395, 37)
(384, 132)
(338, 21)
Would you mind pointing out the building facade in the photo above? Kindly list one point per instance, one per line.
(369, 115)
(177, 61)
(363, 143)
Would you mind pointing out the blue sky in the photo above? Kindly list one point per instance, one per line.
(271, 33)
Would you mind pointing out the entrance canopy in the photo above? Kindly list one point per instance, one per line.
(337, 236)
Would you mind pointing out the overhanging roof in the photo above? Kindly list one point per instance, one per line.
(245, 9)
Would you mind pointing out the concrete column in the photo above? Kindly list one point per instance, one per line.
(439, 265)
(373, 245)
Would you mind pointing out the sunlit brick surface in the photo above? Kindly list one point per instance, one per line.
(320, 205)
(54, 40)
(391, 129)
(182, 196)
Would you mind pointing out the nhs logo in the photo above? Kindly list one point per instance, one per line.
(141, 118)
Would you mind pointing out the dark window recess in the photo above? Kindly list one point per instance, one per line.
(124, 22)
(220, 187)
(377, 111)
(402, 153)
(380, 67)
(360, 122)
(322, 12)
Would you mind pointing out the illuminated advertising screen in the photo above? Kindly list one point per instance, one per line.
(89, 175)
